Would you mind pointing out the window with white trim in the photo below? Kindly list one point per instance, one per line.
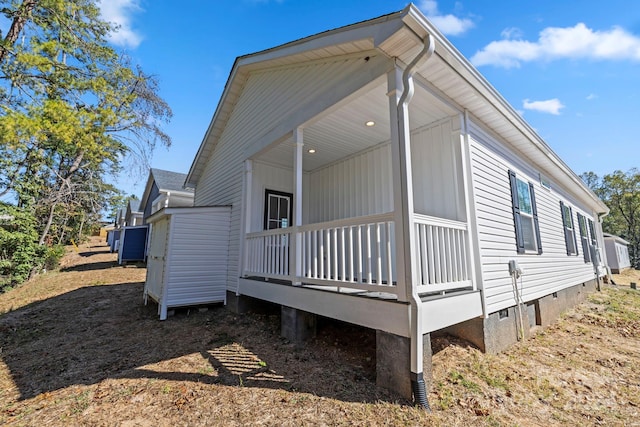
(592, 233)
(525, 215)
(569, 229)
(584, 237)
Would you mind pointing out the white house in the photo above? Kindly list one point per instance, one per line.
(374, 176)
(617, 250)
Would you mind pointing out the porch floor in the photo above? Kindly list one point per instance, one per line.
(333, 289)
(362, 293)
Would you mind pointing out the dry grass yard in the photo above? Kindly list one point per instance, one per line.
(78, 347)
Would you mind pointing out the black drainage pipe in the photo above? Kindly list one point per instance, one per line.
(420, 391)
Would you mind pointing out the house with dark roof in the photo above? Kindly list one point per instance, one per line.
(164, 189)
(133, 215)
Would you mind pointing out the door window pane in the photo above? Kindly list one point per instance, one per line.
(277, 210)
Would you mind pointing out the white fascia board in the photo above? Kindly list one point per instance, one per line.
(186, 210)
(617, 239)
(415, 20)
(176, 192)
(376, 30)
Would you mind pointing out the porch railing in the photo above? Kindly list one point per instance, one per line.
(359, 253)
(441, 254)
(268, 253)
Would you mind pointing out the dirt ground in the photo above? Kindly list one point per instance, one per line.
(79, 347)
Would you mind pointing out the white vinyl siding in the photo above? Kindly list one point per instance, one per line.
(436, 168)
(357, 186)
(267, 177)
(188, 257)
(267, 98)
(198, 257)
(362, 184)
(543, 274)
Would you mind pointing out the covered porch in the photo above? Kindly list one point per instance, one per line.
(333, 204)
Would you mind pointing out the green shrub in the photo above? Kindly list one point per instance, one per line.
(52, 256)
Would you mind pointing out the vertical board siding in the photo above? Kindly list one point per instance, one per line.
(357, 186)
(156, 258)
(198, 258)
(435, 165)
(267, 98)
(549, 272)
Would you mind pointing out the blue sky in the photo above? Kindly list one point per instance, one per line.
(571, 67)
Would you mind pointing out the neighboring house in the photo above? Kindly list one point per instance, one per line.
(375, 177)
(133, 236)
(121, 217)
(133, 215)
(617, 250)
(164, 189)
(113, 236)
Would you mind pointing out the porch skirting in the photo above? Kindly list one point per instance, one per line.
(380, 313)
(386, 315)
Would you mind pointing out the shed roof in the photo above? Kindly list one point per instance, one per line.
(613, 237)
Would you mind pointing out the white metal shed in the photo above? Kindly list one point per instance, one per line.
(617, 253)
(188, 257)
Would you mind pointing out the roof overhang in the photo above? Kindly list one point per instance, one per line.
(399, 35)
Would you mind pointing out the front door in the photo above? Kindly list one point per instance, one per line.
(277, 209)
(277, 214)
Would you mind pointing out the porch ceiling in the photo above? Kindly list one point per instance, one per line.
(344, 132)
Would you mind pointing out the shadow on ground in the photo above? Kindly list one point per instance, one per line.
(104, 331)
(90, 267)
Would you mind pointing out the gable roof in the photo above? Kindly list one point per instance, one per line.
(166, 181)
(169, 181)
(400, 36)
(134, 205)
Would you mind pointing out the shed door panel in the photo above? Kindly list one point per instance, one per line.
(156, 258)
(199, 251)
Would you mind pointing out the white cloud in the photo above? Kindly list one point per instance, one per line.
(591, 96)
(511, 33)
(120, 12)
(551, 106)
(449, 24)
(578, 42)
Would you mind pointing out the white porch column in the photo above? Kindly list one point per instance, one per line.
(400, 83)
(245, 221)
(473, 255)
(403, 212)
(296, 241)
(402, 186)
